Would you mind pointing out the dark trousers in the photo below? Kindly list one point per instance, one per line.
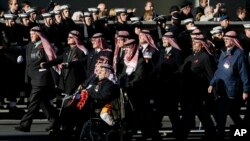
(190, 106)
(226, 106)
(141, 115)
(169, 106)
(39, 97)
(247, 116)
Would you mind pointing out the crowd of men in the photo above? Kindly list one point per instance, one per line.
(124, 76)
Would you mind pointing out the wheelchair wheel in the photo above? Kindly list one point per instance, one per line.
(94, 137)
(113, 135)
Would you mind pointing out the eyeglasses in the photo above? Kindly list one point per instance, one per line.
(93, 40)
(99, 61)
(70, 37)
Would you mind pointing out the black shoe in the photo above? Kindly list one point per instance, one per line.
(49, 128)
(52, 127)
(22, 129)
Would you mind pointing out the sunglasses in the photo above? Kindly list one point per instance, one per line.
(93, 40)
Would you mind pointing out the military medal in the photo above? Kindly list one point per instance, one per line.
(97, 88)
(196, 61)
(226, 65)
(168, 56)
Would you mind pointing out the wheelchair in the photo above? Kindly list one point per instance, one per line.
(95, 129)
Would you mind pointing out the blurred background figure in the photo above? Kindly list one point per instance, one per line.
(77, 16)
(241, 14)
(149, 6)
(186, 10)
(26, 5)
(209, 14)
(173, 9)
(200, 9)
(13, 7)
(103, 10)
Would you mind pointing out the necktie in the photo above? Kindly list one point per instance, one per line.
(69, 55)
(121, 52)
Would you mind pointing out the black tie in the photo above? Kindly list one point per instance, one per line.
(69, 55)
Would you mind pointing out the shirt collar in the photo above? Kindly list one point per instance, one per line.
(98, 50)
(229, 51)
(144, 46)
(37, 43)
(168, 49)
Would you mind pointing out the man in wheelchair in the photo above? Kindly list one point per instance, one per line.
(98, 96)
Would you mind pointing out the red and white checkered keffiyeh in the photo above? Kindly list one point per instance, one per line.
(76, 37)
(146, 35)
(47, 47)
(100, 41)
(121, 34)
(232, 35)
(131, 56)
(200, 38)
(169, 36)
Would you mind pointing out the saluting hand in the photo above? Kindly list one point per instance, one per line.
(245, 96)
(210, 88)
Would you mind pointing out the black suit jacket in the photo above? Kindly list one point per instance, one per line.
(72, 76)
(34, 74)
(136, 79)
(168, 65)
(197, 69)
(102, 92)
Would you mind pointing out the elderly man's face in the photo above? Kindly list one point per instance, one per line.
(102, 73)
(34, 37)
(228, 42)
(142, 39)
(165, 42)
(95, 43)
(120, 42)
(196, 46)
